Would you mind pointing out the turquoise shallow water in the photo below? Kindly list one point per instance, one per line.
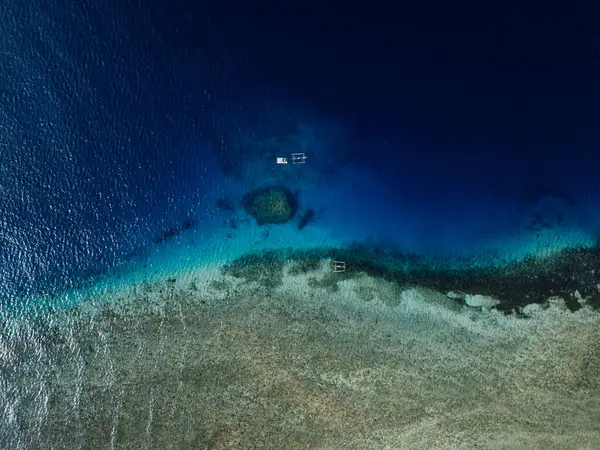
(353, 205)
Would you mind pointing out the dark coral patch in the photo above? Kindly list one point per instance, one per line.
(226, 204)
(568, 274)
(275, 204)
(308, 217)
(175, 231)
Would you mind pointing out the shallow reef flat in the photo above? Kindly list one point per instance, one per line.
(273, 351)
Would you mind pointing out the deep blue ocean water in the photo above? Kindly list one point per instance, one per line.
(120, 124)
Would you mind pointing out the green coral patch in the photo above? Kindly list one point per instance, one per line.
(271, 205)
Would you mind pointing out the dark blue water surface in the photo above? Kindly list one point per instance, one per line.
(121, 124)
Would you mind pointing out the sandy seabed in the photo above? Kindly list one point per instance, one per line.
(209, 361)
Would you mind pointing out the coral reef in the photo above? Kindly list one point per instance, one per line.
(573, 275)
(265, 268)
(275, 204)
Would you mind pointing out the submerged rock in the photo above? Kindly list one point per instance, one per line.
(225, 204)
(273, 205)
(456, 295)
(484, 301)
(175, 231)
(307, 218)
(532, 309)
(557, 303)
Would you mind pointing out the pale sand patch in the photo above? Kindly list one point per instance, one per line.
(227, 364)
